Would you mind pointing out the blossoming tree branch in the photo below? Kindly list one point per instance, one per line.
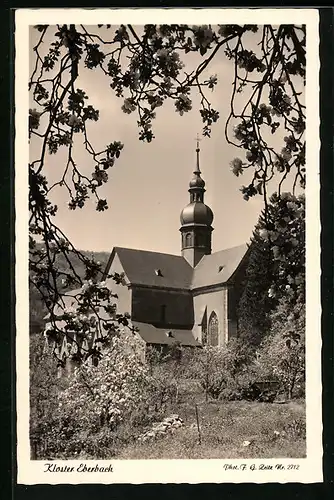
(147, 67)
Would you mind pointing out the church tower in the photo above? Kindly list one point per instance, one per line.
(196, 219)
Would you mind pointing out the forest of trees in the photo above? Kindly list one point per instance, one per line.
(37, 308)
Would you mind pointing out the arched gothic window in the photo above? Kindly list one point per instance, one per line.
(213, 329)
(204, 327)
(204, 334)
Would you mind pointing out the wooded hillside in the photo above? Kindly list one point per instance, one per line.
(37, 307)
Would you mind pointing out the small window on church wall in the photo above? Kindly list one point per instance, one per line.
(213, 329)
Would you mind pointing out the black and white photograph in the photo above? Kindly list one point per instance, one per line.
(168, 246)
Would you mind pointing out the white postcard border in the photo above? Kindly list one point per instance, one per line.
(306, 470)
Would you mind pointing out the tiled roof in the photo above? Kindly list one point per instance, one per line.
(172, 271)
(218, 267)
(155, 269)
(152, 335)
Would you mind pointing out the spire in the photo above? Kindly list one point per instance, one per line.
(196, 185)
(196, 219)
(197, 171)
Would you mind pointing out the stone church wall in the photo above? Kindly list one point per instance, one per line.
(212, 301)
(162, 307)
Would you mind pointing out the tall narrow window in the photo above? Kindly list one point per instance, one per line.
(188, 240)
(204, 327)
(213, 329)
(204, 333)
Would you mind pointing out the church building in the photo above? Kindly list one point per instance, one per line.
(189, 298)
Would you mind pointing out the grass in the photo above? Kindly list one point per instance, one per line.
(224, 426)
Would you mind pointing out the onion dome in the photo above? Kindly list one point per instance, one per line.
(197, 181)
(196, 219)
(196, 213)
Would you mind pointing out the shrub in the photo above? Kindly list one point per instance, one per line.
(282, 355)
(96, 402)
(218, 368)
(285, 363)
(43, 393)
(107, 406)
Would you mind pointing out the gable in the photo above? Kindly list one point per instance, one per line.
(115, 266)
(219, 267)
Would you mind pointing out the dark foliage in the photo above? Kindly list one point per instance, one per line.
(255, 305)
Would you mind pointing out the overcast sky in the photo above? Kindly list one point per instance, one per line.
(148, 186)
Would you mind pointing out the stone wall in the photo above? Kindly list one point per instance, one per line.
(162, 307)
(212, 301)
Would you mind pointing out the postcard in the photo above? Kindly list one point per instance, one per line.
(167, 246)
